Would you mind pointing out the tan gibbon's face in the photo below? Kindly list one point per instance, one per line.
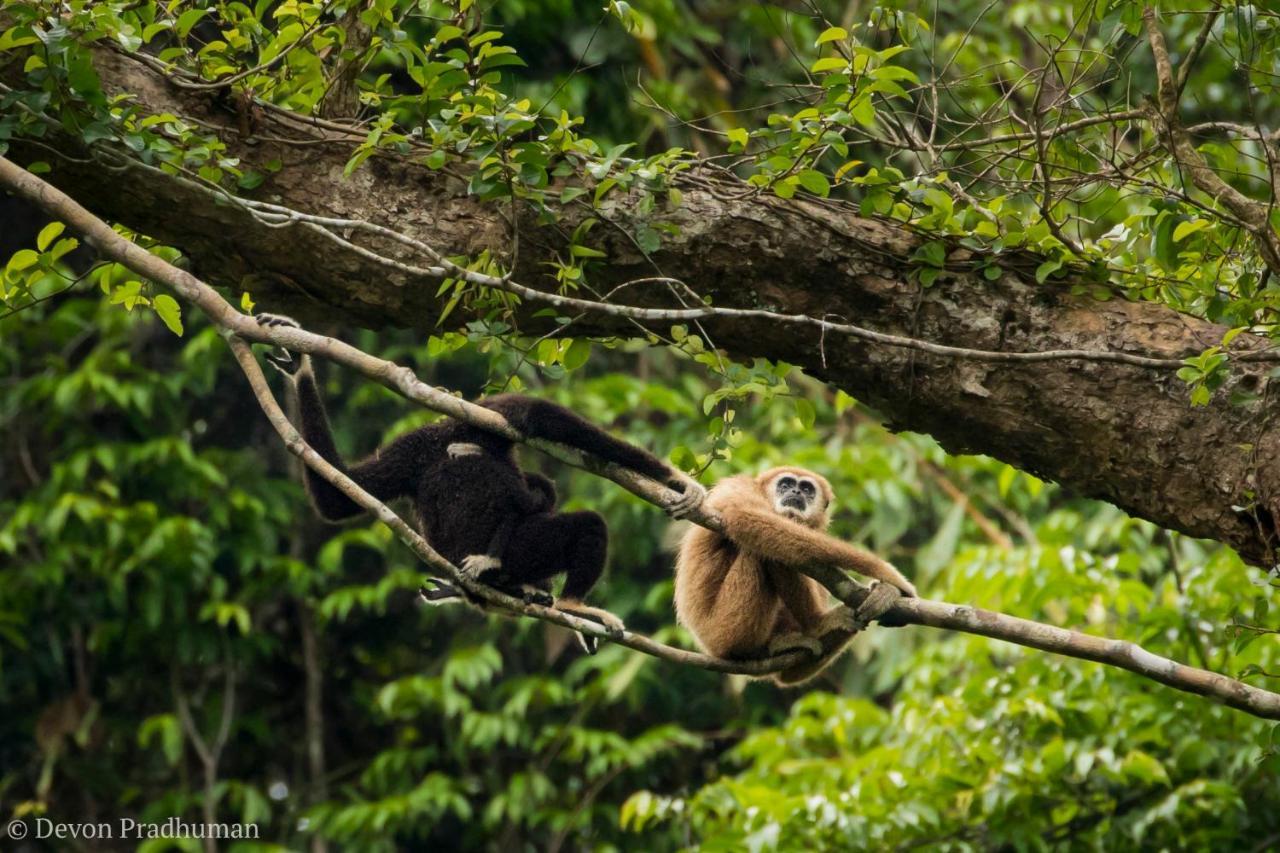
(798, 494)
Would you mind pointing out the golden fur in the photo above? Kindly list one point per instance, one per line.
(742, 595)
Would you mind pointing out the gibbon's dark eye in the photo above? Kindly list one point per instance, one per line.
(787, 483)
(807, 488)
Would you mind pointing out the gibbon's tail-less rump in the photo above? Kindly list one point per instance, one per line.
(472, 502)
(741, 593)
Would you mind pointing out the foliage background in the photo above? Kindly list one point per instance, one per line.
(155, 549)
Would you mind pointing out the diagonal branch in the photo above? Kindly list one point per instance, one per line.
(237, 327)
(1165, 116)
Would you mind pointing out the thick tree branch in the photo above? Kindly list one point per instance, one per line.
(236, 326)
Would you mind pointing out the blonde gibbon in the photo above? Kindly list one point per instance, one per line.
(742, 594)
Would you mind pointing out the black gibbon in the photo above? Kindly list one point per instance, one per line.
(742, 595)
(472, 502)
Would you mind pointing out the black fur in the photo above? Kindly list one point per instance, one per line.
(483, 504)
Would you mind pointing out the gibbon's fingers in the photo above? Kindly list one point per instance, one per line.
(612, 624)
(879, 600)
(474, 565)
(691, 497)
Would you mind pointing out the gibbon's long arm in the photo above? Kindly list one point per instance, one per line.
(387, 474)
(754, 526)
(553, 422)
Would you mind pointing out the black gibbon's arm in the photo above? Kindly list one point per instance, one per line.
(553, 422)
(387, 474)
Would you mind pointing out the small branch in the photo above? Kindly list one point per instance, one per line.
(329, 228)
(1255, 214)
(342, 100)
(237, 328)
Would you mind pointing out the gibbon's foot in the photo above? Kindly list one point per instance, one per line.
(441, 593)
(534, 595)
(791, 641)
(463, 448)
(691, 492)
(612, 624)
(842, 618)
(475, 566)
(279, 357)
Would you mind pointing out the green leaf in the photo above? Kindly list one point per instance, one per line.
(1047, 269)
(738, 136)
(47, 234)
(577, 354)
(806, 412)
(22, 259)
(1186, 229)
(829, 63)
(1144, 768)
(786, 188)
(815, 182)
(168, 310)
(189, 19)
(832, 34)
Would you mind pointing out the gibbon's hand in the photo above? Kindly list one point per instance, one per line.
(692, 494)
(279, 357)
(475, 566)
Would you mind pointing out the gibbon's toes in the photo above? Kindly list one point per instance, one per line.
(463, 448)
(612, 624)
(475, 565)
(282, 360)
(587, 642)
(277, 320)
(441, 593)
(534, 595)
(792, 641)
(279, 357)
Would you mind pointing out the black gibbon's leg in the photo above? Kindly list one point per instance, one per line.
(543, 546)
(391, 472)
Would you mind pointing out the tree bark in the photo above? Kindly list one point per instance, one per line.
(1117, 432)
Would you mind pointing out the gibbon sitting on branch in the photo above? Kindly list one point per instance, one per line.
(742, 593)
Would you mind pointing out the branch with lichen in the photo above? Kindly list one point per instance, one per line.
(239, 329)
